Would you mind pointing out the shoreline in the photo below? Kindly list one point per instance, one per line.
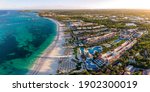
(47, 63)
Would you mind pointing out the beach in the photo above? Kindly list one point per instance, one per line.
(47, 62)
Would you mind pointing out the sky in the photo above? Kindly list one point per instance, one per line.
(74, 4)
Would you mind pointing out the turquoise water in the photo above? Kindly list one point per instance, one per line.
(92, 50)
(23, 37)
(95, 49)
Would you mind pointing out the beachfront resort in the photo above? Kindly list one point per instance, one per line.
(101, 43)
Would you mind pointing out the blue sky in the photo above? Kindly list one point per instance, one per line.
(74, 4)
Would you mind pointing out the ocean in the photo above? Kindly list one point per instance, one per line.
(23, 38)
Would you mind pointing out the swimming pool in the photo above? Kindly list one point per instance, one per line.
(95, 49)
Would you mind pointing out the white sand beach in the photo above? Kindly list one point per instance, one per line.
(47, 63)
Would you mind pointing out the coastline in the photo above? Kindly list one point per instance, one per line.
(47, 63)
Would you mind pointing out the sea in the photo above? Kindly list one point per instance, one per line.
(23, 37)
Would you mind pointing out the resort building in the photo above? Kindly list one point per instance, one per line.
(131, 33)
(119, 51)
(100, 38)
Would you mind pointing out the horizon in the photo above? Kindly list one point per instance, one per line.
(68, 9)
(75, 9)
(73, 4)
